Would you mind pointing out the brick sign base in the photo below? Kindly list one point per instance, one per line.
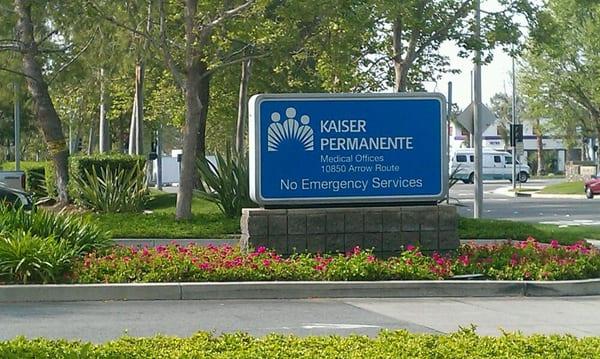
(386, 230)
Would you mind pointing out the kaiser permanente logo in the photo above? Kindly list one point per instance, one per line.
(290, 130)
(353, 134)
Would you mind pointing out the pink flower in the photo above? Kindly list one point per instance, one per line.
(161, 248)
(464, 260)
(204, 266)
(356, 250)
(370, 259)
(410, 248)
(261, 250)
(554, 243)
(266, 262)
(145, 252)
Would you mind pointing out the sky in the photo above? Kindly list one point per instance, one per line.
(495, 77)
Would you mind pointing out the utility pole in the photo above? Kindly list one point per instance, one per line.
(17, 117)
(159, 158)
(514, 122)
(471, 135)
(478, 204)
(104, 135)
(449, 116)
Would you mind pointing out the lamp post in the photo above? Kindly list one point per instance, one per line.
(478, 204)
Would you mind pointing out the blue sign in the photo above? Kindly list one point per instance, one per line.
(347, 148)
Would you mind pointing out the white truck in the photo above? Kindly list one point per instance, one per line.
(497, 165)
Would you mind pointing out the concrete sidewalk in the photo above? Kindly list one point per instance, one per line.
(103, 321)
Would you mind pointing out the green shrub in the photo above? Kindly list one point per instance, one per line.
(39, 246)
(112, 191)
(81, 163)
(105, 167)
(26, 258)
(388, 344)
(227, 183)
(50, 179)
(77, 231)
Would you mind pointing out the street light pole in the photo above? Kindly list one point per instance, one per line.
(17, 117)
(514, 122)
(449, 116)
(478, 204)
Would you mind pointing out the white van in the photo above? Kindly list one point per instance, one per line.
(497, 165)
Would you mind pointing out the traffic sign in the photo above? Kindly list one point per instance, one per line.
(465, 119)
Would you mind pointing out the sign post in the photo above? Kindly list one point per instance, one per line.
(319, 149)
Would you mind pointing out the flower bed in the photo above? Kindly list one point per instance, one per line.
(388, 344)
(528, 260)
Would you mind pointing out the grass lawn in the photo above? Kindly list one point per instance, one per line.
(207, 221)
(564, 188)
(469, 228)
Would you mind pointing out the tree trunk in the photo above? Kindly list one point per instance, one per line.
(193, 107)
(242, 107)
(91, 139)
(399, 67)
(43, 107)
(132, 128)
(139, 107)
(204, 93)
(104, 137)
(540, 150)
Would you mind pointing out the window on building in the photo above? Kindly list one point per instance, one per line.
(497, 159)
(472, 158)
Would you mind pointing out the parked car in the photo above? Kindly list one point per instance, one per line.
(15, 198)
(497, 165)
(592, 186)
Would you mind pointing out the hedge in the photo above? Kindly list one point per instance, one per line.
(41, 178)
(388, 344)
(79, 164)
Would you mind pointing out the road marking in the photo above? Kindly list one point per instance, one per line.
(337, 326)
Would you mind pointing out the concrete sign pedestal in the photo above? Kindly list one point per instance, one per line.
(386, 230)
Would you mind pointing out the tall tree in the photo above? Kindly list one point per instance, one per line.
(416, 29)
(49, 122)
(563, 65)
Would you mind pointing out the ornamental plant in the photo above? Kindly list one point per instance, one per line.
(227, 263)
(40, 247)
(527, 260)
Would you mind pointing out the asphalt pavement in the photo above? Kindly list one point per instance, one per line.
(498, 205)
(103, 321)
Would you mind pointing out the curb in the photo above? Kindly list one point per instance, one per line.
(295, 290)
(153, 242)
(505, 191)
(558, 196)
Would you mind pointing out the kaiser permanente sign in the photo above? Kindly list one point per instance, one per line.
(347, 148)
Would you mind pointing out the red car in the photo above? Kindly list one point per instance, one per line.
(592, 186)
